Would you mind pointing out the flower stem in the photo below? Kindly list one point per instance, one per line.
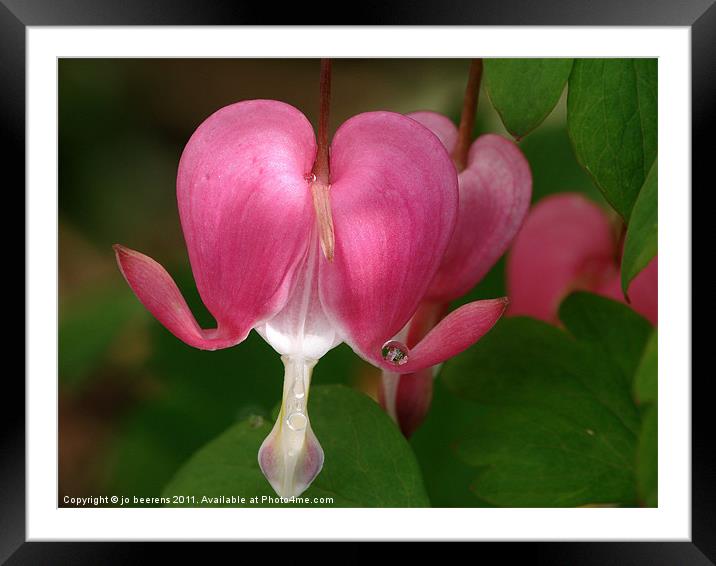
(321, 167)
(467, 117)
(320, 184)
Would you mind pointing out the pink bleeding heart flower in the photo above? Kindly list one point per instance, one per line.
(495, 189)
(567, 244)
(255, 216)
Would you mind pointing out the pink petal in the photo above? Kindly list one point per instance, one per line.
(409, 403)
(159, 294)
(415, 393)
(565, 244)
(456, 332)
(424, 320)
(495, 193)
(440, 125)
(246, 208)
(394, 200)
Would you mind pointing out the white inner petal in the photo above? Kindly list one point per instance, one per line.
(302, 330)
(291, 456)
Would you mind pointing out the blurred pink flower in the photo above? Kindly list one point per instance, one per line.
(567, 244)
(255, 219)
(494, 195)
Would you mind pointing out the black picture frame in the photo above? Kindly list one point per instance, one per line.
(16, 15)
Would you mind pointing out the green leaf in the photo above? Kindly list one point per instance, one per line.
(642, 235)
(554, 167)
(368, 462)
(646, 378)
(447, 478)
(646, 393)
(524, 91)
(614, 328)
(560, 427)
(612, 121)
(647, 458)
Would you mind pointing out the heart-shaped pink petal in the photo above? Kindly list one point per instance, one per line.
(246, 209)
(394, 202)
(442, 126)
(159, 294)
(495, 193)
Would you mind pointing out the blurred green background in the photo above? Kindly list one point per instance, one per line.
(135, 402)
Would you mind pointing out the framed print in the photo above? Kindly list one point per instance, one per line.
(368, 282)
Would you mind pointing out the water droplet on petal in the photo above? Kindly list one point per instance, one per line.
(299, 391)
(297, 421)
(395, 353)
(310, 177)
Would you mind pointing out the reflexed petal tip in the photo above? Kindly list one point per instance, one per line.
(456, 332)
(157, 291)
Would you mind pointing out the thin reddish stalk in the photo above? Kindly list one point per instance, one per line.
(467, 117)
(320, 186)
(321, 167)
